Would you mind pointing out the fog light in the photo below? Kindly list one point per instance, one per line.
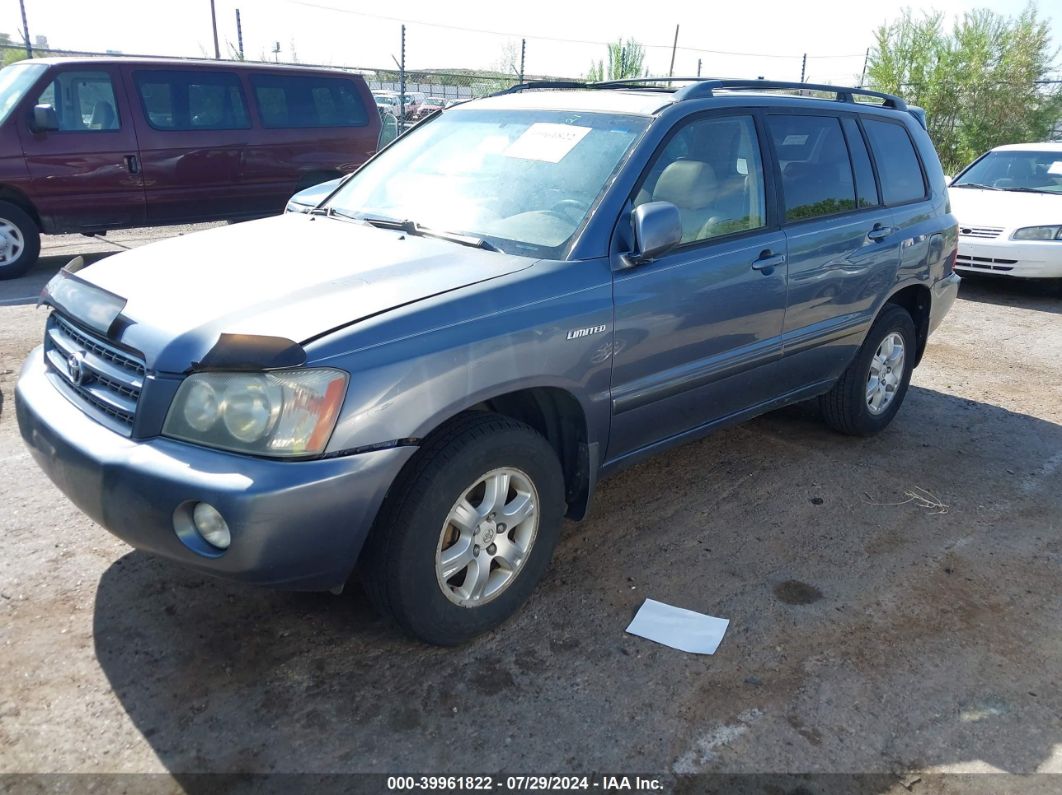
(211, 525)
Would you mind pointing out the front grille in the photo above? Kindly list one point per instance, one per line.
(985, 263)
(105, 381)
(981, 232)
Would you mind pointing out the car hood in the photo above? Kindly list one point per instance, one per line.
(1006, 209)
(294, 276)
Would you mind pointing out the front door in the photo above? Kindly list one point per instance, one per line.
(698, 330)
(86, 174)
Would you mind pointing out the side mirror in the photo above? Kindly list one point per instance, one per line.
(657, 229)
(45, 119)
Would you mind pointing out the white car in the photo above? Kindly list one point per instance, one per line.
(1009, 207)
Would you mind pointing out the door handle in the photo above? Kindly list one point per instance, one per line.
(767, 261)
(880, 232)
(132, 164)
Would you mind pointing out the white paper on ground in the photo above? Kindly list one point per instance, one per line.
(680, 629)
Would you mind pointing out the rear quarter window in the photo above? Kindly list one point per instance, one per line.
(299, 101)
(899, 169)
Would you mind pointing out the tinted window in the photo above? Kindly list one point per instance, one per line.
(83, 101)
(866, 188)
(297, 101)
(898, 167)
(816, 171)
(191, 100)
(711, 170)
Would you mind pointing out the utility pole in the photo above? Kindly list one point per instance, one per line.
(698, 67)
(402, 78)
(25, 30)
(276, 52)
(671, 71)
(523, 52)
(866, 59)
(239, 33)
(214, 25)
(803, 67)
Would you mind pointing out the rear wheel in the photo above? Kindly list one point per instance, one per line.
(468, 531)
(20, 241)
(870, 392)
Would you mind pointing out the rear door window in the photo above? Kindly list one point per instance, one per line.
(83, 101)
(176, 100)
(308, 101)
(816, 170)
(901, 174)
(866, 187)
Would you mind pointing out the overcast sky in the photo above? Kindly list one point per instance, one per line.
(834, 33)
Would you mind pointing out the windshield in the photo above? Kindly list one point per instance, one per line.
(1040, 172)
(522, 180)
(15, 81)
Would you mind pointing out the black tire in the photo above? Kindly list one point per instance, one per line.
(845, 407)
(398, 564)
(26, 228)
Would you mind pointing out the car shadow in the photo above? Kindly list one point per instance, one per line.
(26, 289)
(223, 678)
(1043, 296)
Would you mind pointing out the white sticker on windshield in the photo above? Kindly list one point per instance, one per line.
(546, 142)
(795, 140)
(1055, 168)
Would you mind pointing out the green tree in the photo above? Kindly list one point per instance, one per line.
(625, 59)
(984, 83)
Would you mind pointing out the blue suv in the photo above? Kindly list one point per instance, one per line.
(421, 377)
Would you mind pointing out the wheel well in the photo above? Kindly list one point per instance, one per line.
(916, 299)
(9, 194)
(557, 415)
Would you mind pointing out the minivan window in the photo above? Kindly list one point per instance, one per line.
(15, 81)
(83, 101)
(308, 101)
(816, 171)
(901, 173)
(866, 187)
(192, 100)
(711, 170)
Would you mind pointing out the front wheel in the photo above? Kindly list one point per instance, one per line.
(20, 241)
(870, 392)
(468, 530)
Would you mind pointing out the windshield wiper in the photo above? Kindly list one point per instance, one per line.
(416, 230)
(1026, 190)
(976, 185)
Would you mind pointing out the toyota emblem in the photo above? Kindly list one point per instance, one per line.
(75, 367)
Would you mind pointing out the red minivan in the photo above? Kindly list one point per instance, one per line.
(91, 144)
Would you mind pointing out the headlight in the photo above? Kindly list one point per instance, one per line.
(277, 413)
(1038, 233)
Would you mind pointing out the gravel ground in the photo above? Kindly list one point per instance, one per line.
(894, 604)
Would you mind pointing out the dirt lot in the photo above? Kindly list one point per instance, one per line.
(894, 604)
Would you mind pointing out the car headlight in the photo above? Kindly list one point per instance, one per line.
(1038, 233)
(276, 413)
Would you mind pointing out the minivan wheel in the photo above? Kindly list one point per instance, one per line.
(20, 241)
(468, 530)
(871, 390)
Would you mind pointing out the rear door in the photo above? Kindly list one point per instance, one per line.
(842, 241)
(193, 126)
(85, 175)
(698, 330)
(314, 127)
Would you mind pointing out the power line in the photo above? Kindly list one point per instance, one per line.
(465, 29)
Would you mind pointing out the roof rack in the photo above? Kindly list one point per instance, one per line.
(705, 87)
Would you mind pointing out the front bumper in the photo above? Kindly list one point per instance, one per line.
(295, 524)
(1023, 259)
